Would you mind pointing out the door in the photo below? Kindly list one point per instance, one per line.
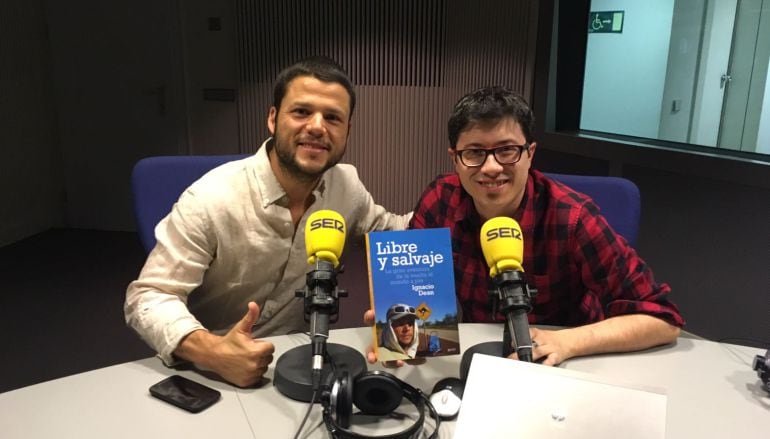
(119, 90)
(715, 56)
(746, 76)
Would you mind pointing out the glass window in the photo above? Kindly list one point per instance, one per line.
(690, 71)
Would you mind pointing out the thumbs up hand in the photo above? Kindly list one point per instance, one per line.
(236, 356)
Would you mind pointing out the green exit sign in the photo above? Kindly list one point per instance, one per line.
(605, 22)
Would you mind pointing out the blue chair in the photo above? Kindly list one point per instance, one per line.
(617, 197)
(157, 183)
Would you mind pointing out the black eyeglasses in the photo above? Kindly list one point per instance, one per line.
(505, 155)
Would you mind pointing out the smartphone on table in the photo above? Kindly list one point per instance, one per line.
(185, 393)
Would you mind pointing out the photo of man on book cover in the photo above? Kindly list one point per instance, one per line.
(400, 335)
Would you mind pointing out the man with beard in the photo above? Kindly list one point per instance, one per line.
(234, 242)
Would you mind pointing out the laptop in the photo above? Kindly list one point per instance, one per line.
(513, 399)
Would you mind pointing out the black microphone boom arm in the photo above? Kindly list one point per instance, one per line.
(512, 297)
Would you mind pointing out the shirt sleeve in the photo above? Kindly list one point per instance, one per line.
(424, 216)
(612, 271)
(418, 218)
(156, 303)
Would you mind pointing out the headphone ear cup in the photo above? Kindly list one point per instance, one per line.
(342, 397)
(376, 394)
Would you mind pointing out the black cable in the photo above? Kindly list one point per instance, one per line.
(315, 392)
(330, 361)
(307, 415)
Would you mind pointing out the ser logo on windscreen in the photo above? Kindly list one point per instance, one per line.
(327, 223)
(503, 232)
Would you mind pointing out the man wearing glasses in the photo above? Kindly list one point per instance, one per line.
(588, 278)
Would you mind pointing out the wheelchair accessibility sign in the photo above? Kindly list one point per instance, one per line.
(606, 22)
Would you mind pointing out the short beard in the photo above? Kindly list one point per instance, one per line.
(287, 161)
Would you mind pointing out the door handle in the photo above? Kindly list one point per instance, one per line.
(724, 79)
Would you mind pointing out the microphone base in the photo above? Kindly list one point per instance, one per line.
(293, 373)
(493, 348)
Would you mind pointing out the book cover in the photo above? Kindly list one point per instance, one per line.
(412, 292)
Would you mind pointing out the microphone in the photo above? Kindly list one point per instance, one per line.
(324, 240)
(762, 366)
(502, 244)
(503, 247)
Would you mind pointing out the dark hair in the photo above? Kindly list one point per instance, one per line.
(320, 67)
(488, 105)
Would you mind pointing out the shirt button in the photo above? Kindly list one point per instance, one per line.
(268, 309)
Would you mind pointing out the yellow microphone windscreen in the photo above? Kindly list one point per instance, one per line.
(324, 236)
(502, 245)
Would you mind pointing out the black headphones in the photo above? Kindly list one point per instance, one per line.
(762, 366)
(374, 393)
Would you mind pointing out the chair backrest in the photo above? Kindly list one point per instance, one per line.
(617, 197)
(157, 183)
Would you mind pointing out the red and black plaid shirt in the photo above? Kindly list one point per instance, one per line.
(584, 272)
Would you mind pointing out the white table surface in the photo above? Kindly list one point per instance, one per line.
(712, 393)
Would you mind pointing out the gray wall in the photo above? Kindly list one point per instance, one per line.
(706, 237)
(31, 187)
(209, 60)
(686, 31)
(625, 72)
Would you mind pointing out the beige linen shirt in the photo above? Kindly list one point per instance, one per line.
(230, 240)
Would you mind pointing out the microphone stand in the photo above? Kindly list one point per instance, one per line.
(301, 370)
(511, 296)
(762, 366)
